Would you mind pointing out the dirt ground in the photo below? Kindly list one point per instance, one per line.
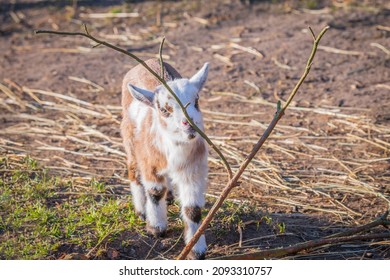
(326, 166)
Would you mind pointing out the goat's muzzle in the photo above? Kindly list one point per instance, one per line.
(188, 129)
(191, 132)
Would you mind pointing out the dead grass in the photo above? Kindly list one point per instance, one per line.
(301, 170)
(321, 163)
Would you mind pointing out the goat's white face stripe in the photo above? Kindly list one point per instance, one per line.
(188, 93)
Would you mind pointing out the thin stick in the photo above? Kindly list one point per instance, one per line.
(312, 33)
(160, 79)
(161, 58)
(338, 51)
(233, 182)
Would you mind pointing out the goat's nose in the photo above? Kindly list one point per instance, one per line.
(185, 122)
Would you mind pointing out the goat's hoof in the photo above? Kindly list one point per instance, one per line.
(196, 255)
(169, 198)
(156, 232)
(141, 216)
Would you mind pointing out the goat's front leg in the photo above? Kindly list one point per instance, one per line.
(156, 207)
(169, 197)
(192, 202)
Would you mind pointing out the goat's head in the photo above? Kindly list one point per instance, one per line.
(169, 111)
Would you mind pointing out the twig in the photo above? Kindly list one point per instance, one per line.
(384, 28)
(151, 249)
(281, 65)
(233, 182)
(312, 33)
(382, 48)
(338, 51)
(85, 81)
(110, 15)
(161, 57)
(173, 246)
(246, 49)
(160, 79)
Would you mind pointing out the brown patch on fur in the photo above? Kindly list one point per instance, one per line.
(150, 160)
(140, 77)
(165, 112)
(138, 179)
(126, 132)
(158, 105)
(168, 108)
(156, 194)
(199, 150)
(196, 154)
(193, 213)
(163, 122)
(132, 169)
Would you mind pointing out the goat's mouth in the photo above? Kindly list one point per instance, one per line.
(191, 133)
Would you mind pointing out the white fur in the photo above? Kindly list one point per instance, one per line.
(137, 113)
(186, 163)
(200, 246)
(139, 199)
(156, 214)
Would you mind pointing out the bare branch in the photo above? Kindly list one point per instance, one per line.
(86, 29)
(233, 182)
(308, 67)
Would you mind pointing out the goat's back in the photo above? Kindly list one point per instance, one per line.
(140, 77)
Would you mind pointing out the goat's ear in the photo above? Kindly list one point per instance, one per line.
(199, 79)
(143, 95)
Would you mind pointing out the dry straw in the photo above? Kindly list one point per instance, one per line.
(74, 144)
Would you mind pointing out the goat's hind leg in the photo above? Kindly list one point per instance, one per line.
(137, 191)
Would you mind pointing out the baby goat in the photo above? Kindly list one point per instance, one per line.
(163, 149)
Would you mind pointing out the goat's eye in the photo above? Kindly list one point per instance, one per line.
(197, 104)
(164, 112)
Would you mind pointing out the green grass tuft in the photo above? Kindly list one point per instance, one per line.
(40, 214)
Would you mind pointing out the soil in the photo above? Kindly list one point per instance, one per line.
(326, 168)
